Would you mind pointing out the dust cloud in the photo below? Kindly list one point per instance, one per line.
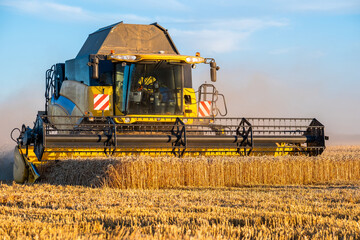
(18, 109)
(266, 93)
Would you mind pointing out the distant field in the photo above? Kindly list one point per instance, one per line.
(257, 197)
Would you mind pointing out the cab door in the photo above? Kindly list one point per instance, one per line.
(122, 85)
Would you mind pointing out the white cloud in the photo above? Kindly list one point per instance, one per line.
(149, 5)
(280, 51)
(63, 8)
(316, 54)
(248, 24)
(216, 41)
(328, 5)
(168, 5)
(219, 36)
(49, 9)
(320, 5)
(126, 18)
(56, 11)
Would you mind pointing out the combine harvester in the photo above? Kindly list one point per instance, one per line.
(129, 91)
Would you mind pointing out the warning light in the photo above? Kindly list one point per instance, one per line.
(197, 54)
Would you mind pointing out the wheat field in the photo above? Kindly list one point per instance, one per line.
(289, 212)
(316, 199)
(337, 165)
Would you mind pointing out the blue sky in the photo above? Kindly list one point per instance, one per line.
(278, 58)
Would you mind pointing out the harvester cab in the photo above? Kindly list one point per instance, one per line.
(129, 91)
(126, 70)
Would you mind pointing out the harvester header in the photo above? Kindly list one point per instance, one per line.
(129, 92)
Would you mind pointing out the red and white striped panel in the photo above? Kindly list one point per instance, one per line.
(101, 102)
(204, 108)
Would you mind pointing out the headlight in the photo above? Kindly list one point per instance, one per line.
(194, 60)
(124, 57)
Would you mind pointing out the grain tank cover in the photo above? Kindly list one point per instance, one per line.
(129, 39)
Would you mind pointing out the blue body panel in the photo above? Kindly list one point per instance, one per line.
(127, 84)
(64, 103)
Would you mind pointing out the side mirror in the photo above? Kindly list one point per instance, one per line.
(95, 68)
(213, 69)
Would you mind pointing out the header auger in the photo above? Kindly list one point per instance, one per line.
(129, 91)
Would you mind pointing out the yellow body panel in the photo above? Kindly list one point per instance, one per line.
(24, 169)
(100, 90)
(166, 118)
(52, 154)
(156, 57)
(283, 149)
(147, 118)
(191, 106)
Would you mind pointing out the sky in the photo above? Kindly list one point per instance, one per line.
(277, 58)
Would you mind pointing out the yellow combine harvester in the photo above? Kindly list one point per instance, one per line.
(129, 91)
